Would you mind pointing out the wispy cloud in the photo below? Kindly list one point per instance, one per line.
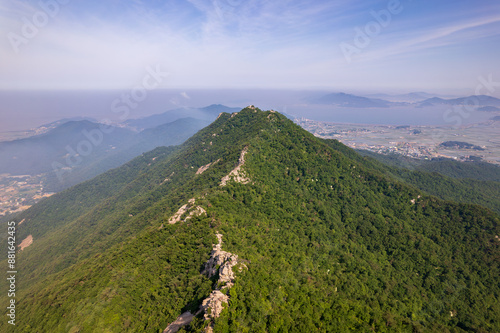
(432, 38)
(236, 43)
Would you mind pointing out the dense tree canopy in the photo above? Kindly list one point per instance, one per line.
(330, 241)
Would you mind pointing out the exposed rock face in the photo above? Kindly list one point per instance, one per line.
(237, 173)
(225, 261)
(221, 262)
(26, 242)
(212, 306)
(183, 320)
(194, 211)
(205, 167)
(197, 211)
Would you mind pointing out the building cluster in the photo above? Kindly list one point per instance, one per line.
(18, 193)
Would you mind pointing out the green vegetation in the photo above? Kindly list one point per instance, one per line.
(332, 243)
(466, 182)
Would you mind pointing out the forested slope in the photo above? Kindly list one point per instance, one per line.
(325, 242)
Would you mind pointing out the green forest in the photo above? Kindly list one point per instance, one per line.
(332, 241)
(466, 182)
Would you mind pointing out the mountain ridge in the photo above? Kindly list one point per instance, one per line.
(355, 249)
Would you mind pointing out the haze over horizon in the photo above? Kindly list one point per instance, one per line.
(442, 47)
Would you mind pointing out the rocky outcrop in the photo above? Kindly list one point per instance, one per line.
(212, 306)
(220, 262)
(237, 174)
(181, 321)
(26, 242)
(413, 201)
(189, 207)
(204, 168)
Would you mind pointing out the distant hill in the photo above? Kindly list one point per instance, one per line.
(480, 100)
(410, 97)
(56, 153)
(208, 113)
(60, 122)
(496, 118)
(169, 134)
(459, 145)
(36, 154)
(348, 100)
(177, 132)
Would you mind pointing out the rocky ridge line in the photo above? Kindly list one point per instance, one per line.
(237, 174)
(220, 262)
(204, 168)
(194, 211)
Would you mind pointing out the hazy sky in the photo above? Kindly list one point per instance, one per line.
(440, 46)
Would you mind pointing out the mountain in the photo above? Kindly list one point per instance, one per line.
(57, 152)
(479, 100)
(255, 225)
(347, 100)
(57, 123)
(36, 154)
(208, 113)
(178, 131)
(408, 98)
(168, 134)
(40, 129)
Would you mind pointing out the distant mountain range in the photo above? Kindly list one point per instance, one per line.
(71, 151)
(60, 122)
(34, 155)
(420, 100)
(409, 98)
(208, 113)
(348, 100)
(480, 100)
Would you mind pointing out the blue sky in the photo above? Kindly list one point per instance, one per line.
(438, 46)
